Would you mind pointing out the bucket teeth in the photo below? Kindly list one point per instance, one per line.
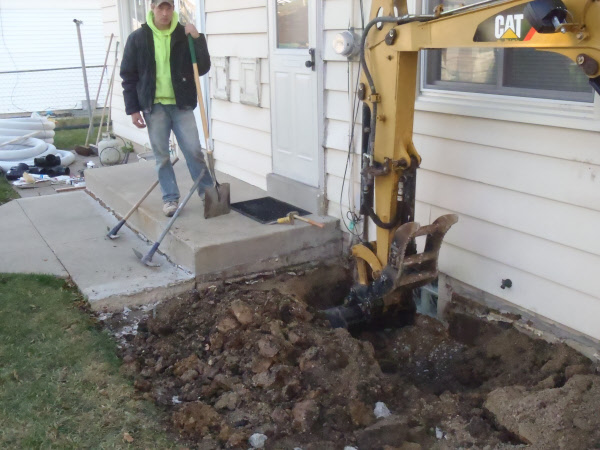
(406, 270)
(419, 269)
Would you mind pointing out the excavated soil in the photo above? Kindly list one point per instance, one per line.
(234, 360)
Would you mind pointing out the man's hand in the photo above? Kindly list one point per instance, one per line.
(137, 120)
(191, 29)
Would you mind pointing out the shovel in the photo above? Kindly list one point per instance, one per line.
(216, 198)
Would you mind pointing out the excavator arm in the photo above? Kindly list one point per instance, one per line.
(391, 267)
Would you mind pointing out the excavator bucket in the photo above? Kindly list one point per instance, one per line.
(404, 273)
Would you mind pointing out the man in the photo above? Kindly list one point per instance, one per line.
(160, 92)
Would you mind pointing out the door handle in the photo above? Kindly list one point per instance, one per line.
(311, 63)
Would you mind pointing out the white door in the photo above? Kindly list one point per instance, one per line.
(294, 84)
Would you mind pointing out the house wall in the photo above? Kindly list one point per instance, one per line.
(525, 185)
(37, 37)
(242, 133)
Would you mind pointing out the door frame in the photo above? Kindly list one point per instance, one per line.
(307, 197)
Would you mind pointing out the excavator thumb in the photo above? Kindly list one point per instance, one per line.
(392, 291)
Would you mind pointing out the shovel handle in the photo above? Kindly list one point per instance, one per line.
(209, 150)
(312, 222)
(199, 91)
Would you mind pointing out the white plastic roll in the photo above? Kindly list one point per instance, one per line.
(29, 125)
(30, 147)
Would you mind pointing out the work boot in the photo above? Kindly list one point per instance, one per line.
(169, 208)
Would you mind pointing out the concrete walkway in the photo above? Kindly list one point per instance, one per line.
(64, 235)
(219, 248)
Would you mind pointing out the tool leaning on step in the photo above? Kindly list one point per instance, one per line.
(160, 93)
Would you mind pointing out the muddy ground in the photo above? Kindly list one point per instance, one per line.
(255, 357)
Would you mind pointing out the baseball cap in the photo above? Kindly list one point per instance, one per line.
(160, 2)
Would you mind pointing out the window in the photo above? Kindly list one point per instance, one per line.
(292, 24)
(137, 11)
(513, 72)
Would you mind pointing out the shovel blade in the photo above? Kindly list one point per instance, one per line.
(217, 201)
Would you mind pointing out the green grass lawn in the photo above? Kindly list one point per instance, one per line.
(68, 139)
(7, 193)
(60, 385)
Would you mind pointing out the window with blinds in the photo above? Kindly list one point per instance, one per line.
(515, 72)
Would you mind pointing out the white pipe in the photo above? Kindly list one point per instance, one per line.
(30, 147)
(12, 132)
(26, 126)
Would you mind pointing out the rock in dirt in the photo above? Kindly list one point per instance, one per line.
(389, 431)
(257, 440)
(229, 400)
(242, 312)
(267, 347)
(237, 439)
(227, 324)
(196, 418)
(381, 410)
(360, 413)
(162, 323)
(564, 418)
(577, 369)
(260, 365)
(305, 415)
(189, 375)
(182, 366)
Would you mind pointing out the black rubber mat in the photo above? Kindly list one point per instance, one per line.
(266, 209)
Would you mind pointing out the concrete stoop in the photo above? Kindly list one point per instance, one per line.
(65, 235)
(222, 247)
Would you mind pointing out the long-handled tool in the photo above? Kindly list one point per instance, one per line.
(19, 138)
(217, 199)
(112, 234)
(112, 35)
(289, 219)
(82, 150)
(108, 96)
(147, 258)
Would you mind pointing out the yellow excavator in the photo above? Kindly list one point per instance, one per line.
(391, 267)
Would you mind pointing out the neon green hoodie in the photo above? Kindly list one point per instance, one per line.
(162, 54)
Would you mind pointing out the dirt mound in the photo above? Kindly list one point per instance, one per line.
(253, 358)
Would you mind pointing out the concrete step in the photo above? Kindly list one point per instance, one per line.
(64, 235)
(222, 247)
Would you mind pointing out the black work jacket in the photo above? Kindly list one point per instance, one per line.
(138, 69)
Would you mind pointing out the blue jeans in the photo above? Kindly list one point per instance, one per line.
(160, 121)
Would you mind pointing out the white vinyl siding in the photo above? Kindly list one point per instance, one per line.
(242, 133)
